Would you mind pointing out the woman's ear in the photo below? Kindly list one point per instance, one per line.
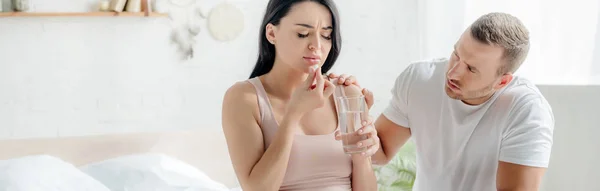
(270, 33)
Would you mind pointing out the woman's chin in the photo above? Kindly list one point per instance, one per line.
(306, 69)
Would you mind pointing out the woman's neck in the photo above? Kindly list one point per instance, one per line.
(282, 80)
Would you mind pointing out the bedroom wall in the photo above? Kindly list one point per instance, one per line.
(83, 76)
(80, 76)
(576, 152)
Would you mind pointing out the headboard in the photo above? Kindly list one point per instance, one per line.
(205, 149)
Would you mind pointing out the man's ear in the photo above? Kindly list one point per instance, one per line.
(270, 30)
(505, 79)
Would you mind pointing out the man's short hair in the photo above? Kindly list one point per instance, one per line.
(506, 31)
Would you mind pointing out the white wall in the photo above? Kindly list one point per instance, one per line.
(80, 76)
(576, 151)
(77, 76)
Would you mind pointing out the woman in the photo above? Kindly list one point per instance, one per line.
(280, 124)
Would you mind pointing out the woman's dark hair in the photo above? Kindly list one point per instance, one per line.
(277, 9)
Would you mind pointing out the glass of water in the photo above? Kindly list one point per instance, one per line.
(353, 111)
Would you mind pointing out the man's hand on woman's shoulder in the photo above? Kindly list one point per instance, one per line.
(353, 87)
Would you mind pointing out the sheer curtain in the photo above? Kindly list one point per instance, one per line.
(565, 34)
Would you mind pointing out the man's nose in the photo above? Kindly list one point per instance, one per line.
(455, 71)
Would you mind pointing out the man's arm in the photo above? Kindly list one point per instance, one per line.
(392, 137)
(526, 147)
(515, 177)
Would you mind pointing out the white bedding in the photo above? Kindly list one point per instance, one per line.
(44, 173)
(138, 172)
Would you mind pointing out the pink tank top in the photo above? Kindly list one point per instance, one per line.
(317, 162)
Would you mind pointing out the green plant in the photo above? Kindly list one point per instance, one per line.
(401, 172)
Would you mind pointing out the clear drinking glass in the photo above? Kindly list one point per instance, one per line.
(353, 111)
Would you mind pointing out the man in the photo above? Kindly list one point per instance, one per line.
(476, 127)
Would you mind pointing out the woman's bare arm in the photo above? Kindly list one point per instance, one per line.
(363, 176)
(256, 170)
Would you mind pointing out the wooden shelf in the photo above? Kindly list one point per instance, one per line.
(82, 14)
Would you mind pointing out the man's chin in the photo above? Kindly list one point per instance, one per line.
(451, 94)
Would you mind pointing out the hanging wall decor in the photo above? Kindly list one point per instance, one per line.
(225, 22)
(185, 16)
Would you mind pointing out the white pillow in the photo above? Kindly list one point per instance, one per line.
(44, 173)
(148, 172)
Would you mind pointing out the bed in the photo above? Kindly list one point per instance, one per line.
(195, 156)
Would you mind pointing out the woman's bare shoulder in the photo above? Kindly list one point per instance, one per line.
(240, 92)
(241, 97)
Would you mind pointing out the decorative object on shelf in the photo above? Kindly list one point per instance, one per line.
(148, 5)
(20, 5)
(225, 22)
(80, 14)
(117, 5)
(134, 6)
(6, 5)
(104, 8)
(104, 5)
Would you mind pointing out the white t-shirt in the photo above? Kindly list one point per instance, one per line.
(458, 145)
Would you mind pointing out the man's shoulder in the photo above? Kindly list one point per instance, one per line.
(428, 65)
(522, 90)
(425, 70)
(523, 96)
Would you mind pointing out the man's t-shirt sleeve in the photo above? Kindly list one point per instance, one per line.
(397, 110)
(529, 137)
